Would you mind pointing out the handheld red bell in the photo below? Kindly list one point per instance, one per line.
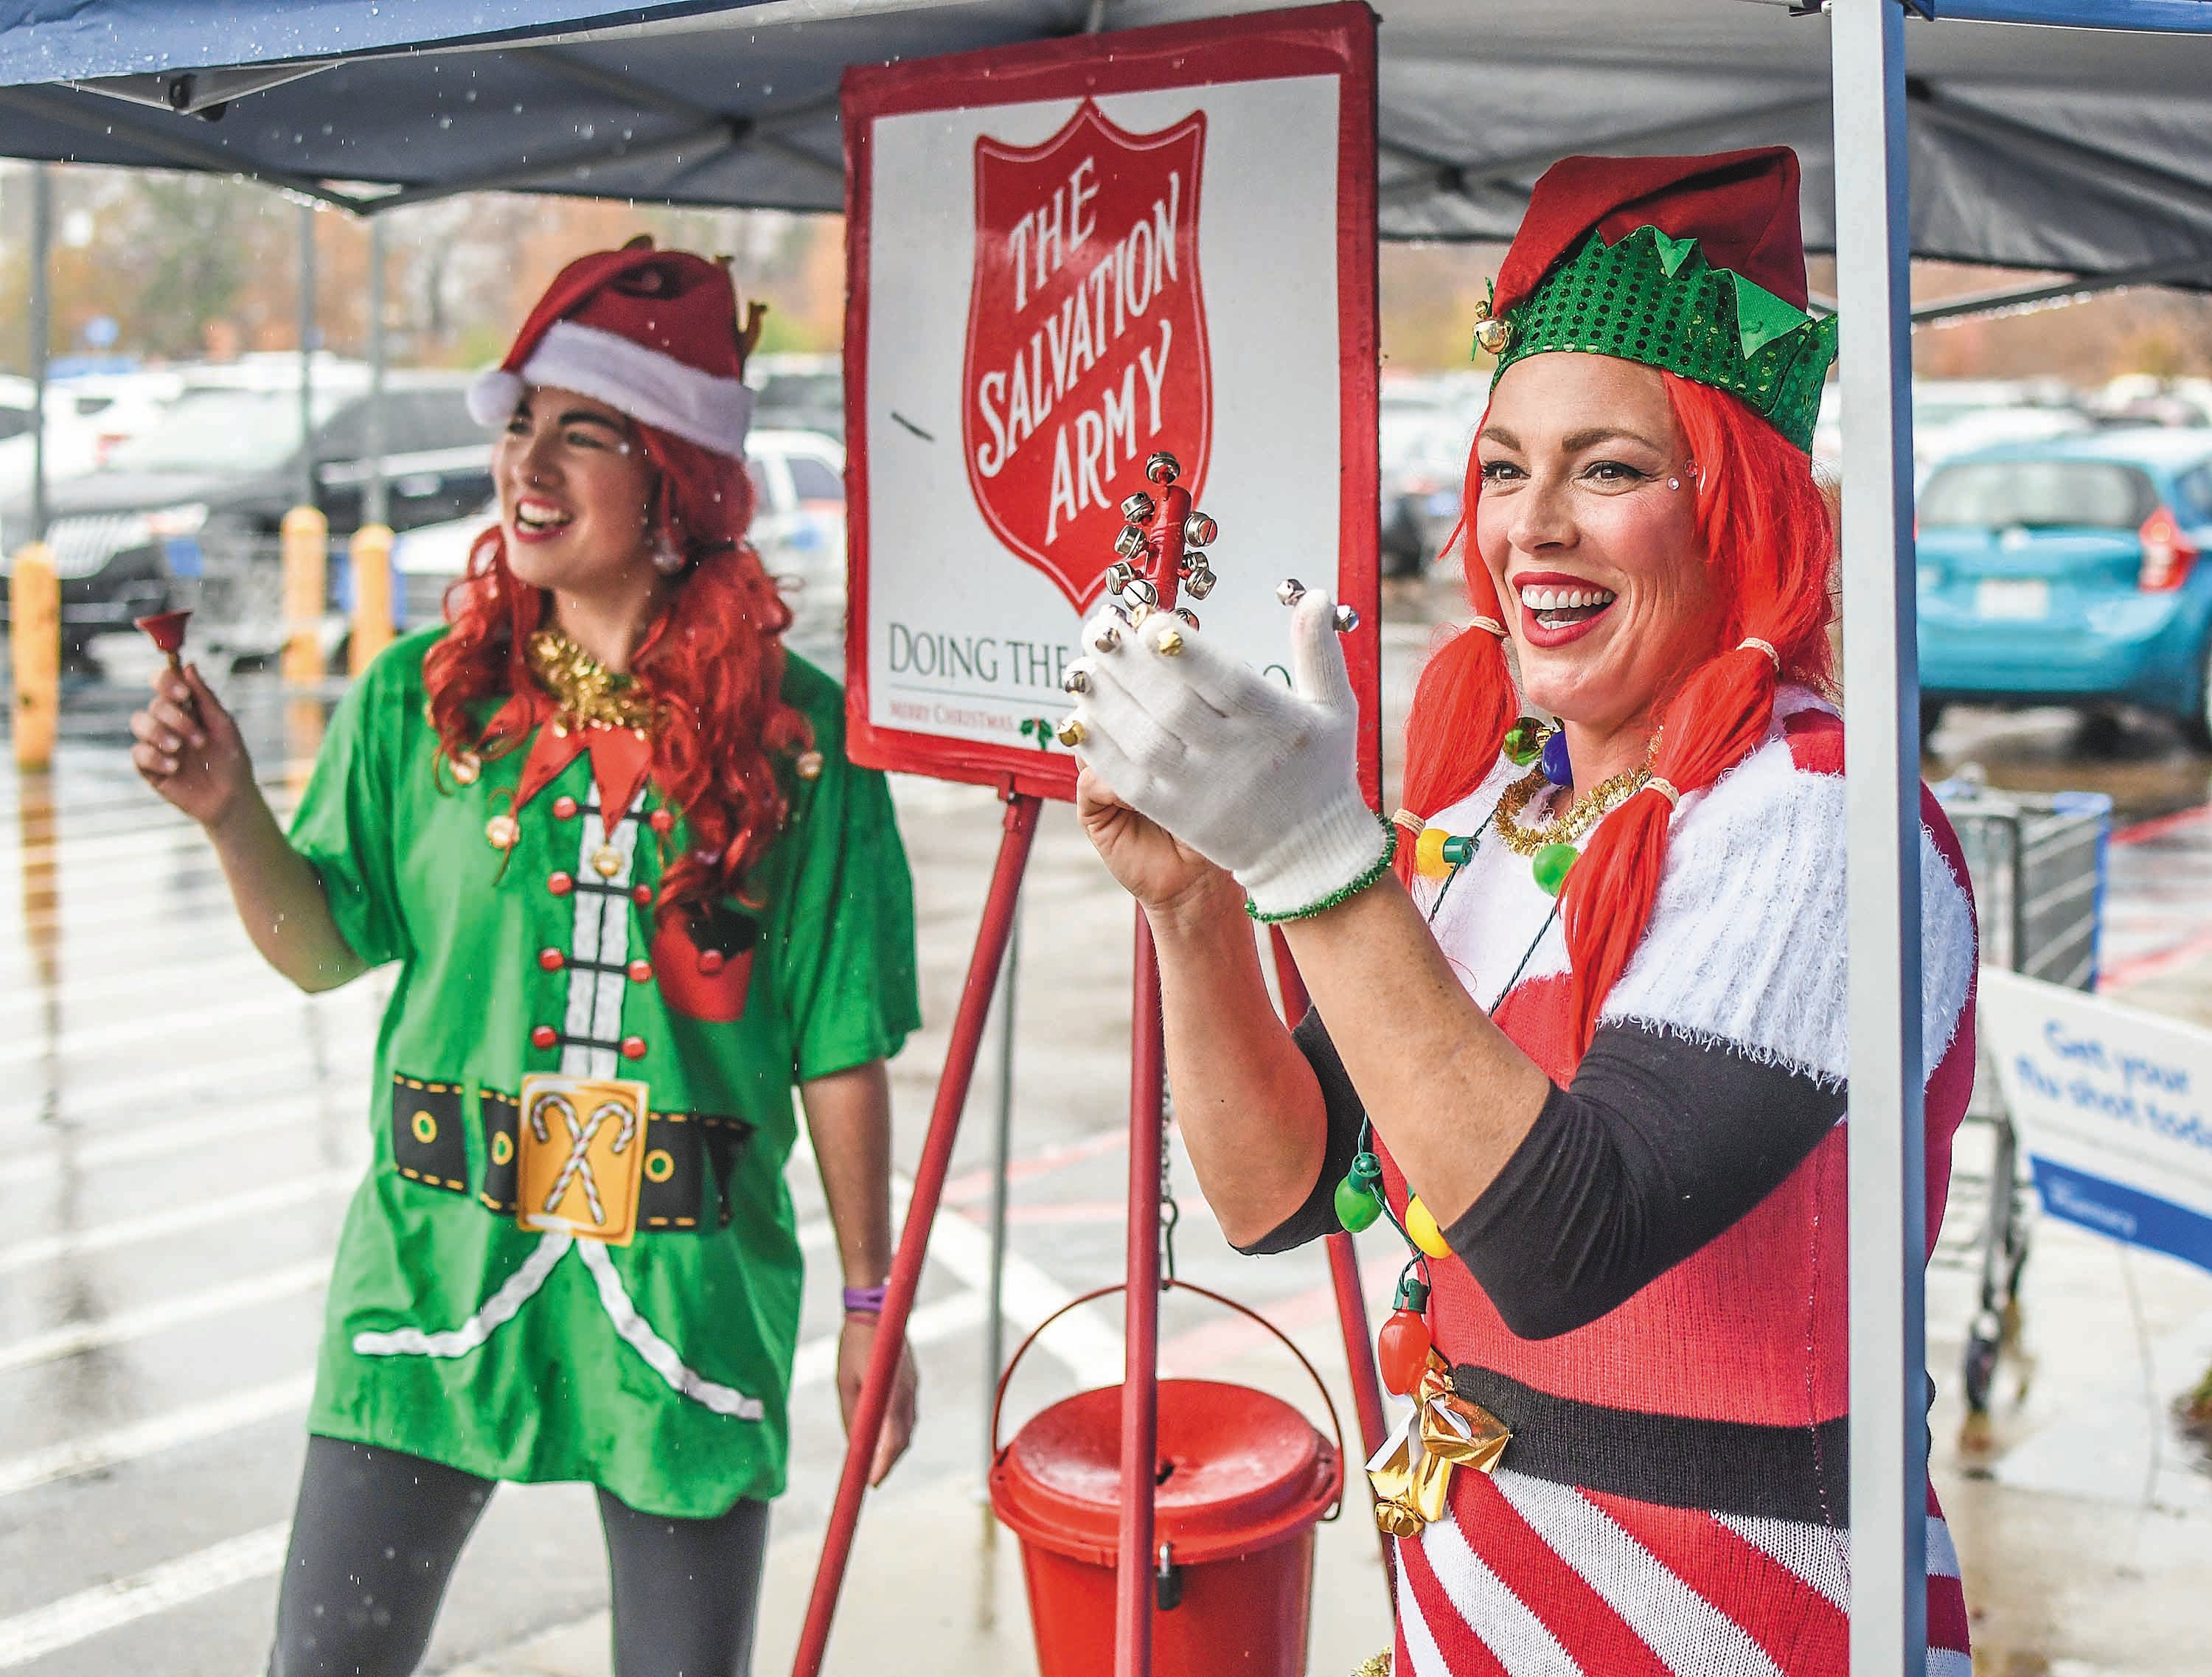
(166, 630)
(1401, 1349)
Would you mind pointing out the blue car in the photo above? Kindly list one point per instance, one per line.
(2067, 572)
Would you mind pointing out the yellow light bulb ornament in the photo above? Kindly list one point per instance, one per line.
(1421, 1229)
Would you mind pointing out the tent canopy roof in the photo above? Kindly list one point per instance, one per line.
(2078, 150)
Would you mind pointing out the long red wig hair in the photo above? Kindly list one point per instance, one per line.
(1764, 528)
(712, 661)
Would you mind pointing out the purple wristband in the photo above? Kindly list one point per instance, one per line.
(866, 1301)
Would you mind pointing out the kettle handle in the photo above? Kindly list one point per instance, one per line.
(998, 1402)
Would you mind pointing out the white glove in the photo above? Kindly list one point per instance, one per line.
(1259, 780)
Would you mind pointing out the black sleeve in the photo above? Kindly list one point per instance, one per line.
(1660, 1143)
(1317, 1216)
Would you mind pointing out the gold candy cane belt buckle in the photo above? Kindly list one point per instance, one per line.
(582, 1155)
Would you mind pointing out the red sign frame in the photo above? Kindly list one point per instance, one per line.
(1335, 41)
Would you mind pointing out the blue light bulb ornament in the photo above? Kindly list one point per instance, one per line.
(1557, 769)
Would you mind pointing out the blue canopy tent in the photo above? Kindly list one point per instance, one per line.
(2076, 148)
(2078, 152)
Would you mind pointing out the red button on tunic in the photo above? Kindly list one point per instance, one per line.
(565, 807)
(551, 959)
(641, 972)
(560, 884)
(633, 1047)
(544, 1037)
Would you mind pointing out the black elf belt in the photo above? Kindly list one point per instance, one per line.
(658, 1178)
(1789, 1473)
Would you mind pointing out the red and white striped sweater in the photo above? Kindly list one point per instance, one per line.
(1675, 1497)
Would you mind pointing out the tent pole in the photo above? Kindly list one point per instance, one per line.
(375, 502)
(41, 322)
(306, 354)
(1881, 700)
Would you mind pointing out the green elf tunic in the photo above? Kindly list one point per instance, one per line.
(478, 1315)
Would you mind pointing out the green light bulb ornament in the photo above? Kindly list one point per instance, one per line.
(1359, 1196)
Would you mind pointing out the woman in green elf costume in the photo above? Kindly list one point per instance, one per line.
(603, 823)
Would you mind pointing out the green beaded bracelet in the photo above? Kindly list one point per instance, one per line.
(1343, 893)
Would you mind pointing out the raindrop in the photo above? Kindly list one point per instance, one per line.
(588, 129)
(518, 107)
(445, 122)
(470, 95)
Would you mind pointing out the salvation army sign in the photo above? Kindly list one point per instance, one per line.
(1086, 334)
(1062, 258)
(2114, 1110)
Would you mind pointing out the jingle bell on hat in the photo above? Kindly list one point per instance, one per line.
(1162, 468)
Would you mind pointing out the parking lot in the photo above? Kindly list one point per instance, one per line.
(183, 1132)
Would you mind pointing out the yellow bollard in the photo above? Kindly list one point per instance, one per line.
(371, 555)
(307, 557)
(35, 599)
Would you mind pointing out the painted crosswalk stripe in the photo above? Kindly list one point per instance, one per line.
(158, 1317)
(261, 1119)
(191, 1425)
(103, 1608)
(180, 1219)
(228, 1015)
(64, 1623)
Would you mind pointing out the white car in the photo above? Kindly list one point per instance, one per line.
(797, 528)
(85, 418)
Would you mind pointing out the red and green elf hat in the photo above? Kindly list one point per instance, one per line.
(1695, 264)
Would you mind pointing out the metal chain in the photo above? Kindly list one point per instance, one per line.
(1170, 1213)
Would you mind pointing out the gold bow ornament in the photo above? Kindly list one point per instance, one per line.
(1411, 1473)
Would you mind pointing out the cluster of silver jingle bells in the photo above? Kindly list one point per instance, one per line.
(1136, 599)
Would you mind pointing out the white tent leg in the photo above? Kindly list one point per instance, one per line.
(1881, 704)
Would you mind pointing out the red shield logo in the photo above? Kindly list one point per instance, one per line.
(1086, 336)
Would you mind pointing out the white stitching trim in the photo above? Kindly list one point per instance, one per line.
(518, 1290)
(637, 1333)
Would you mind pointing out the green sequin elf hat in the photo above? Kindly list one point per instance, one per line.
(1695, 265)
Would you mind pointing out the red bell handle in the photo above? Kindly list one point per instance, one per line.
(1336, 1425)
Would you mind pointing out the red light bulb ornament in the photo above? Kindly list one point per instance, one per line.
(1401, 1349)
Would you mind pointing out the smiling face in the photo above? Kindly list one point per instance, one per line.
(575, 493)
(1597, 561)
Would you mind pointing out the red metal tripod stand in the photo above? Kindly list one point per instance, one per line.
(1171, 555)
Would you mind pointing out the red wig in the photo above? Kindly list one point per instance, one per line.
(1764, 528)
(712, 661)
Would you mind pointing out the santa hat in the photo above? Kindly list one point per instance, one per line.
(1695, 264)
(653, 334)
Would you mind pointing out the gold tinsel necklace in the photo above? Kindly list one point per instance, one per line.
(586, 690)
(1579, 818)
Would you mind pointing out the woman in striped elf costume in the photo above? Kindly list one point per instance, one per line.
(1587, 1048)
(601, 826)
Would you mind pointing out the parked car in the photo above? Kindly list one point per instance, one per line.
(188, 513)
(86, 418)
(797, 528)
(2068, 572)
(1426, 426)
(796, 393)
(1956, 417)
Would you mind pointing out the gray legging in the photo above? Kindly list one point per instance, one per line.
(377, 1533)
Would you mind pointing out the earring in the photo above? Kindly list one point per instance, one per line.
(1673, 482)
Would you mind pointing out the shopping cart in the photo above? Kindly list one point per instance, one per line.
(2037, 863)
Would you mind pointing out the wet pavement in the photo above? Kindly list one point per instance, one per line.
(180, 1130)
